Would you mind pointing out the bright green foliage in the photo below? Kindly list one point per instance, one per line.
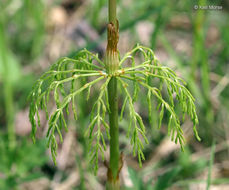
(66, 71)
(90, 69)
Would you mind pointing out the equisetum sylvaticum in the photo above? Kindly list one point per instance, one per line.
(70, 77)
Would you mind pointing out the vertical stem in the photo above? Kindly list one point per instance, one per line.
(112, 11)
(114, 129)
(112, 62)
(114, 132)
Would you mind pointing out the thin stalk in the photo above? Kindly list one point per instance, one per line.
(112, 11)
(112, 63)
(114, 130)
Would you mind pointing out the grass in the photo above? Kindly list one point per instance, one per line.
(211, 163)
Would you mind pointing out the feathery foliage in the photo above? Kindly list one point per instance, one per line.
(62, 81)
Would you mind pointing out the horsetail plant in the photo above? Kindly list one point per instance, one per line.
(65, 76)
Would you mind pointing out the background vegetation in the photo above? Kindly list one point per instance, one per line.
(34, 34)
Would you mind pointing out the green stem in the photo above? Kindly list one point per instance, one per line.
(113, 169)
(114, 129)
(112, 11)
(112, 63)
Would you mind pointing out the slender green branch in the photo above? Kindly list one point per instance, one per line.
(137, 48)
(77, 62)
(94, 56)
(135, 120)
(133, 78)
(98, 120)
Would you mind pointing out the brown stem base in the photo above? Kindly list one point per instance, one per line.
(113, 183)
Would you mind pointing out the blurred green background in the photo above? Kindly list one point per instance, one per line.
(194, 42)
